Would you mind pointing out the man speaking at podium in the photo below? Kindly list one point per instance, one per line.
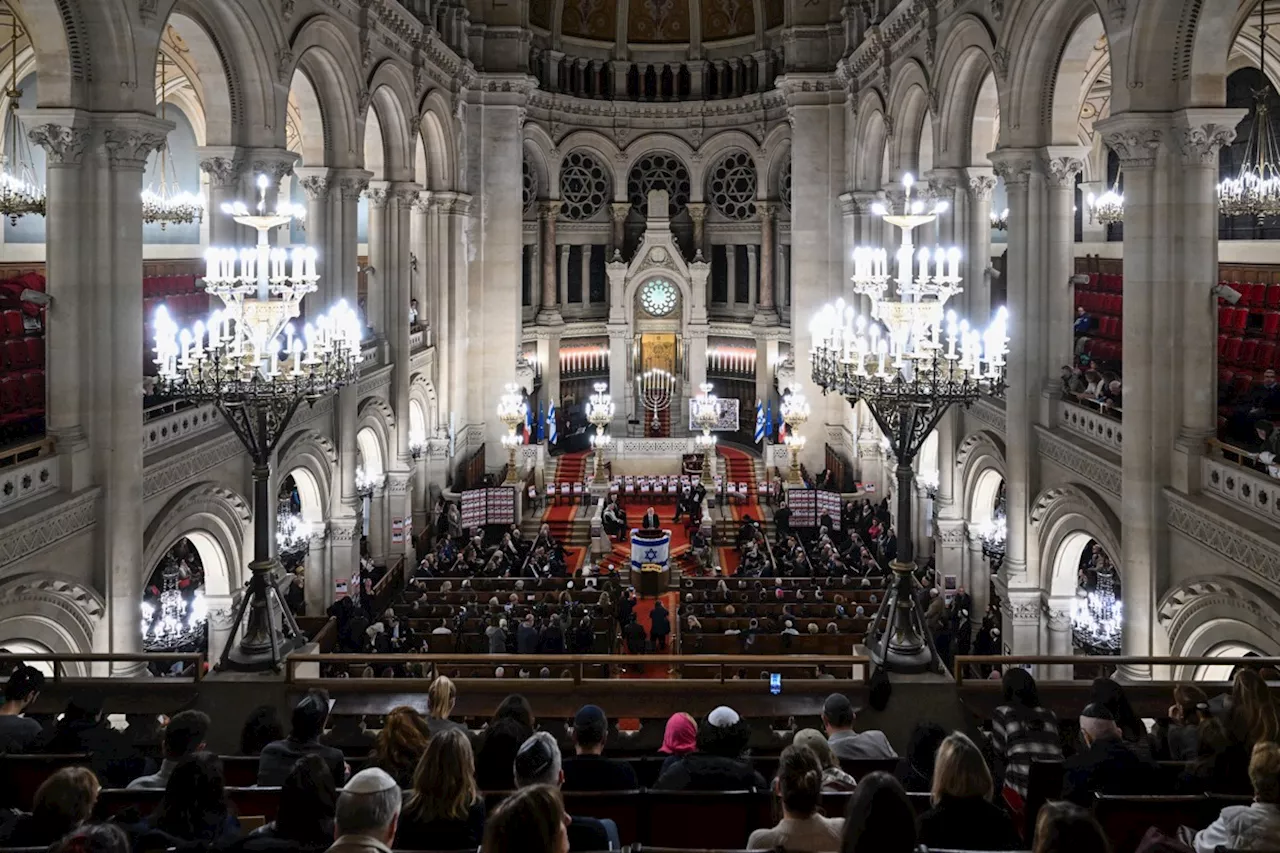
(650, 520)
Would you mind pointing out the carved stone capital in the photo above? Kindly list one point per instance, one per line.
(129, 148)
(697, 211)
(619, 210)
(982, 187)
(1014, 165)
(350, 184)
(1136, 138)
(276, 164)
(64, 146)
(1062, 171)
(1200, 145)
(549, 209)
(316, 187)
(222, 171)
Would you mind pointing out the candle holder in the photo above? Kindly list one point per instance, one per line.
(600, 411)
(795, 414)
(706, 414)
(512, 411)
(657, 388)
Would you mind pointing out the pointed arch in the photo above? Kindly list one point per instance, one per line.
(323, 54)
(1207, 612)
(873, 132)
(965, 71)
(309, 451)
(909, 107)
(440, 155)
(391, 101)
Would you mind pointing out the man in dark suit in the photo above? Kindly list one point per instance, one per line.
(588, 769)
(650, 521)
(1107, 765)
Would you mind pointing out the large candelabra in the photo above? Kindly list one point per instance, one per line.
(250, 361)
(795, 414)
(706, 414)
(909, 363)
(512, 411)
(657, 388)
(1255, 191)
(600, 411)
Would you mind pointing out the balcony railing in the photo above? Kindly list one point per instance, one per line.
(27, 480)
(1228, 474)
(1090, 420)
(172, 428)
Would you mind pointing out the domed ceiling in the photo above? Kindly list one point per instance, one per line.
(657, 21)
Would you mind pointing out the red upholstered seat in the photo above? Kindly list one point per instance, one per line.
(1222, 347)
(12, 320)
(1270, 323)
(35, 352)
(1248, 351)
(16, 354)
(33, 391)
(1273, 296)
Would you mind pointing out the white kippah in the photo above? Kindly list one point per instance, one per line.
(723, 717)
(372, 780)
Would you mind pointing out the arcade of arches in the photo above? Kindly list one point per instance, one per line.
(560, 196)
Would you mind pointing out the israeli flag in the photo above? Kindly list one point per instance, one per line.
(552, 433)
(528, 424)
(759, 421)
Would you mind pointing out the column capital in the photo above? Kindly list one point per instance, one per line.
(350, 183)
(315, 182)
(550, 209)
(1024, 608)
(424, 201)
(1015, 165)
(951, 532)
(1057, 611)
(1135, 137)
(404, 192)
(131, 137)
(1201, 133)
(981, 181)
(944, 179)
(222, 163)
(766, 210)
(64, 144)
(1062, 163)
(697, 211)
(619, 210)
(275, 163)
(849, 206)
(378, 192)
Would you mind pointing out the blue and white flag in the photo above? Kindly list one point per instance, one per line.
(528, 424)
(542, 425)
(759, 421)
(768, 419)
(552, 432)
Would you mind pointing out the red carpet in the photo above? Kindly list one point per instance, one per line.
(643, 611)
(560, 519)
(740, 467)
(570, 467)
(681, 560)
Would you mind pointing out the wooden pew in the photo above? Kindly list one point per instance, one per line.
(245, 801)
(1125, 819)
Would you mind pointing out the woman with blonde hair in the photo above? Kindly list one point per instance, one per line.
(444, 811)
(1253, 715)
(442, 695)
(963, 816)
(400, 744)
(1257, 825)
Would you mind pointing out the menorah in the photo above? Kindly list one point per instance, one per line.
(657, 390)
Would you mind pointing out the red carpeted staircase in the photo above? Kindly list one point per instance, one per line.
(570, 467)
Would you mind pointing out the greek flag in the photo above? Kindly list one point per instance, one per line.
(759, 421)
(552, 433)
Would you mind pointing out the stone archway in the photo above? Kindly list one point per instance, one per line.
(49, 614)
(1204, 614)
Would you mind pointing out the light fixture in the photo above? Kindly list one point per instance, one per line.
(909, 362)
(20, 192)
(1000, 221)
(293, 532)
(249, 361)
(169, 205)
(176, 624)
(795, 414)
(706, 414)
(512, 411)
(367, 480)
(600, 411)
(1255, 191)
(657, 388)
(417, 443)
(1108, 208)
(928, 481)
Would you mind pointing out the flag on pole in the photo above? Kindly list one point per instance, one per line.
(782, 431)
(552, 432)
(768, 419)
(759, 422)
(542, 430)
(528, 424)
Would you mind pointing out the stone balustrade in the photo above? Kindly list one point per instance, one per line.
(1091, 424)
(27, 480)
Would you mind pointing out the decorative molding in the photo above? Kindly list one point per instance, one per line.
(32, 534)
(1136, 147)
(1251, 551)
(1251, 491)
(171, 429)
(996, 8)
(1014, 165)
(1062, 171)
(982, 187)
(64, 146)
(183, 466)
(223, 172)
(1102, 473)
(376, 381)
(316, 187)
(129, 149)
(1200, 143)
(1090, 424)
(1178, 609)
(1058, 619)
(28, 480)
(989, 413)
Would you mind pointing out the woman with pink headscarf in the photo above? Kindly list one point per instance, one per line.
(680, 738)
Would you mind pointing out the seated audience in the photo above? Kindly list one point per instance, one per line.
(304, 821)
(1110, 695)
(442, 695)
(532, 820)
(83, 727)
(1257, 825)
(538, 763)
(497, 744)
(1022, 732)
(306, 726)
(718, 764)
(183, 736)
(1107, 765)
(680, 738)
(444, 811)
(833, 778)
(194, 807)
(915, 771)
(400, 744)
(838, 717)
(19, 733)
(260, 728)
(963, 816)
(799, 788)
(1063, 827)
(62, 803)
(1221, 763)
(589, 770)
(1176, 737)
(367, 813)
(880, 818)
(1253, 716)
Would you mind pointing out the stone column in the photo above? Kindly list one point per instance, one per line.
(1023, 610)
(617, 242)
(585, 260)
(549, 309)
(401, 197)
(1057, 617)
(753, 267)
(225, 167)
(379, 525)
(380, 263)
(731, 273)
(421, 267)
(977, 249)
(1199, 135)
(64, 135)
(399, 509)
(949, 539)
(317, 185)
(318, 581)
(944, 184)
(698, 213)
(116, 244)
(1017, 167)
(1061, 166)
(455, 367)
(768, 213)
(977, 577)
(1148, 384)
(222, 610)
(564, 250)
(549, 355)
(437, 260)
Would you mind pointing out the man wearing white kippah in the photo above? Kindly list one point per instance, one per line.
(367, 813)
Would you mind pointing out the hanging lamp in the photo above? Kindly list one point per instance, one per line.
(20, 192)
(1255, 191)
(169, 204)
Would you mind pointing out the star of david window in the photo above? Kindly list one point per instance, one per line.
(584, 186)
(659, 297)
(530, 186)
(784, 184)
(732, 186)
(658, 171)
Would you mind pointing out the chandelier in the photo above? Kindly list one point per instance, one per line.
(250, 361)
(1096, 621)
(169, 204)
(795, 412)
(176, 624)
(367, 480)
(706, 414)
(600, 411)
(909, 361)
(1255, 191)
(293, 532)
(20, 192)
(1000, 221)
(417, 443)
(512, 411)
(1108, 208)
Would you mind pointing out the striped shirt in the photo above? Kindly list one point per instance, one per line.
(1020, 736)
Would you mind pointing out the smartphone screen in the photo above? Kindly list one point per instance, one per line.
(775, 683)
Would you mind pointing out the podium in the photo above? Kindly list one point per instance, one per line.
(651, 548)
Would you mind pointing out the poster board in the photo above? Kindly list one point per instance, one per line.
(727, 416)
(481, 507)
(808, 506)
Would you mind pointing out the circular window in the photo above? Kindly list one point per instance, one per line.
(658, 171)
(732, 186)
(784, 184)
(584, 186)
(659, 297)
(530, 186)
